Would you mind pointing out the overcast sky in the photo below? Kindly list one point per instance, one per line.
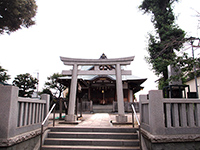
(86, 29)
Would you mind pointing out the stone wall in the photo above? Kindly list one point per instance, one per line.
(26, 145)
(171, 145)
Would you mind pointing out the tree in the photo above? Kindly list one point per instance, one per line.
(189, 64)
(47, 91)
(3, 75)
(168, 39)
(56, 88)
(26, 83)
(55, 85)
(15, 14)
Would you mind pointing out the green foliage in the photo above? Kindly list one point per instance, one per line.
(3, 75)
(48, 91)
(15, 14)
(169, 37)
(26, 83)
(186, 64)
(54, 85)
(162, 83)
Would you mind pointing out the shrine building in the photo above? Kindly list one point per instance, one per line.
(102, 81)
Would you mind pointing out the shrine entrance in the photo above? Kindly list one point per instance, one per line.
(103, 81)
(102, 96)
(103, 91)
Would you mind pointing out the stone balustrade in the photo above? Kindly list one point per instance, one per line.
(87, 106)
(181, 114)
(20, 117)
(127, 106)
(169, 116)
(30, 111)
(169, 122)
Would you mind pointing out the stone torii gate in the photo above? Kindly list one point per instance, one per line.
(118, 62)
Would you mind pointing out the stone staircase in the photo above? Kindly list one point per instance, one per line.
(78, 138)
(102, 108)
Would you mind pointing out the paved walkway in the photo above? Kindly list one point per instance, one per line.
(96, 120)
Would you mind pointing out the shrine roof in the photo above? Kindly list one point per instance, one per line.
(113, 77)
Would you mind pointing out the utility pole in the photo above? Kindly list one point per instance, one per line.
(37, 84)
(195, 77)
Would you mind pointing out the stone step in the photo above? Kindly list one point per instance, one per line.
(91, 142)
(102, 108)
(77, 147)
(93, 135)
(87, 138)
(97, 129)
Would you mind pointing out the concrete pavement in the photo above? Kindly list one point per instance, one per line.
(95, 120)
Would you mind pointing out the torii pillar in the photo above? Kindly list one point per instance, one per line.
(71, 117)
(120, 96)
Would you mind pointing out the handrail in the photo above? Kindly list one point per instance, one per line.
(42, 125)
(139, 133)
(134, 112)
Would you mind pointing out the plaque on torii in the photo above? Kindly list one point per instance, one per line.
(75, 62)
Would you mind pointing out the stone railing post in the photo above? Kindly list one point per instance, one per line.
(8, 110)
(47, 98)
(156, 112)
(91, 106)
(142, 98)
